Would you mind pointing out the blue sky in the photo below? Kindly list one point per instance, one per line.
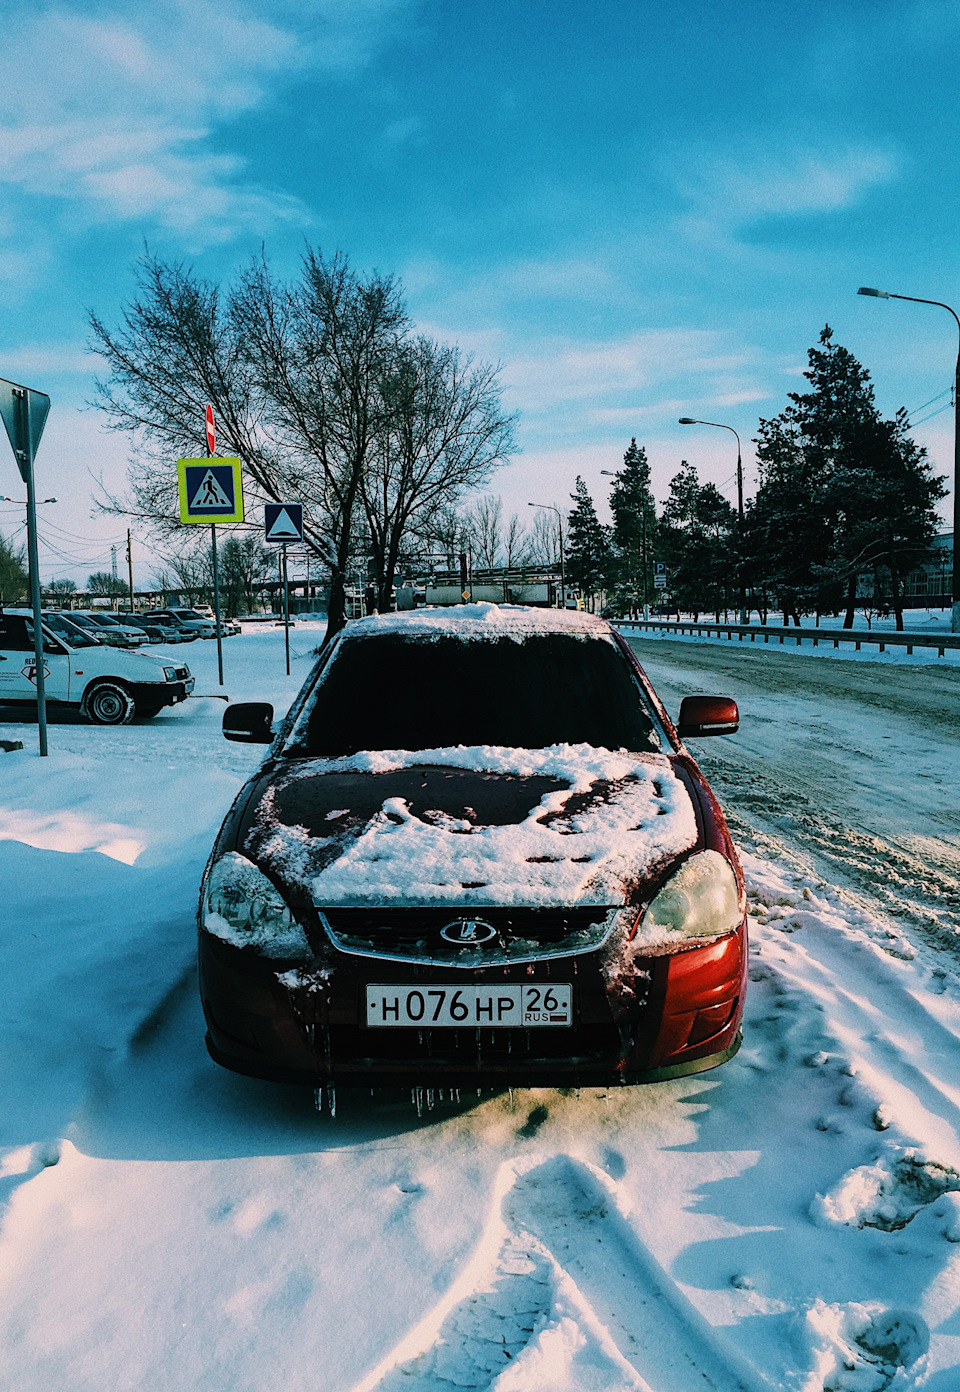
(642, 210)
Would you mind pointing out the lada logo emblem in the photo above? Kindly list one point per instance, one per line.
(468, 930)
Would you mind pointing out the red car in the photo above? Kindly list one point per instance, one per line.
(477, 853)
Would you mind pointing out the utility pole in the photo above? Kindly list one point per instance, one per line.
(130, 567)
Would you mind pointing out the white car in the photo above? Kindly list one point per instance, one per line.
(107, 685)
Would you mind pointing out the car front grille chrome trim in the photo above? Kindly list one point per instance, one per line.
(520, 935)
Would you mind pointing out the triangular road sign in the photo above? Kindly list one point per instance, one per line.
(283, 522)
(210, 494)
(18, 422)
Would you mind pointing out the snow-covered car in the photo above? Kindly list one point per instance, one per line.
(478, 852)
(109, 686)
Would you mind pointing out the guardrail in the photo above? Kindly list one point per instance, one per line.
(836, 636)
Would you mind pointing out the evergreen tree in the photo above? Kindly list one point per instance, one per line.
(698, 543)
(587, 545)
(634, 530)
(842, 492)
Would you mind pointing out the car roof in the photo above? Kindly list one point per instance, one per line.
(473, 621)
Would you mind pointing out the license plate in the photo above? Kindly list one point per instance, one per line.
(469, 1007)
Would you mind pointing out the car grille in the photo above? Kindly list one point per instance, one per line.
(468, 1050)
(519, 935)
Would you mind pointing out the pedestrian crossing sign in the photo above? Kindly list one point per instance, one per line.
(210, 490)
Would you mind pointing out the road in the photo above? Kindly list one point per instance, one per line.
(855, 764)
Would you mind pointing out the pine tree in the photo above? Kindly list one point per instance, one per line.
(587, 544)
(842, 492)
(698, 543)
(634, 530)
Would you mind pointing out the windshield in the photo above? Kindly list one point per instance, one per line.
(70, 632)
(398, 692)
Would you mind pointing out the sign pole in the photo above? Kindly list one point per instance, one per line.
(286, 609)
(26, 469)
(211, 443)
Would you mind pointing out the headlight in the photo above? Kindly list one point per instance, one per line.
(170, 673)
(699, 901)
(241, 906)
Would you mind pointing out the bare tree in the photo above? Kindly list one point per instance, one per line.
(516, 542)
(544, 539)
(320, 391)
(321, 351)
(483, 520)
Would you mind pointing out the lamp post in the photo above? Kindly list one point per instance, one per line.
(563, 581)
(717, 425)
(610, 473)
(915, 299)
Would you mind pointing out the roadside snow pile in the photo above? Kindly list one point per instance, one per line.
(639, 814)
(886, 1194)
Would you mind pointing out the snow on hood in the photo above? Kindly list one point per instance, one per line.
(592, 842)
(482, 621)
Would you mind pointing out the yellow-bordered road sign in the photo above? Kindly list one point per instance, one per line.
(210, 490)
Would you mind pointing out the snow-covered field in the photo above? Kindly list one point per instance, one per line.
(791, 1220)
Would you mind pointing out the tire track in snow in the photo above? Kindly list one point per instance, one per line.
(561, 1295)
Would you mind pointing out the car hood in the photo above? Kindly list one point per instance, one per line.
(490, 826)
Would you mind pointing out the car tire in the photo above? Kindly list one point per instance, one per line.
(109, 703)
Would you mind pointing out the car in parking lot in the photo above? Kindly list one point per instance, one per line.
(107, 685)
(130, 635)
(478, 852)
(149, 632)
(204, 613)
(108, 633)
(188, 632)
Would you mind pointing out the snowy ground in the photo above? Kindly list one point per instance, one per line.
(789, 1221)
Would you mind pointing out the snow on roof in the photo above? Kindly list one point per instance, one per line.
(482, 621)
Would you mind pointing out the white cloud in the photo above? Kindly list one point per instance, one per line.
(730, 190)
(115, 109)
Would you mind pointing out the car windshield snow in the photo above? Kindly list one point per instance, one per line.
(393, 691)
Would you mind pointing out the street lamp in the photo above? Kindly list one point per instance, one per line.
(688, 420)
(914, 299)
(563, 581)
(610, 473)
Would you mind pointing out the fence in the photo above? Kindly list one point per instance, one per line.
(836, 636)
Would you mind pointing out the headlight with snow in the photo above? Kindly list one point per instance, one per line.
(700, 901)
(170, 673)
(241, 906)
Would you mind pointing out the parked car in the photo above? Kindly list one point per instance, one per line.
(132, 635)
(105, 632)
(188, 632)
(152, 632)
(478, 852)
(107, 685)
(185, 620)
(204, 612)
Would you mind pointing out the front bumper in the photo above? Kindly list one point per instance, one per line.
(678, 1014)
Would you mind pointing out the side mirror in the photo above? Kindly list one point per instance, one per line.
(249, 722)
(707, 715)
